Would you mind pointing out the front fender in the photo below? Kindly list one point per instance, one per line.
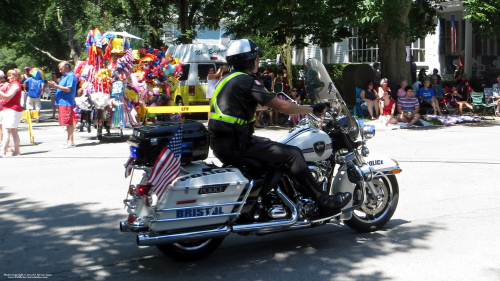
(382, 164)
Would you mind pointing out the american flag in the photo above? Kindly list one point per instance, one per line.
(453, 35)
(167, 166)
(128, 166)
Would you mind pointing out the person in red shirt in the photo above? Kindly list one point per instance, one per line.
(387, 106)
(3, 87)
(12, 111)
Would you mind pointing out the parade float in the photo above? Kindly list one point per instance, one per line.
(117, 83)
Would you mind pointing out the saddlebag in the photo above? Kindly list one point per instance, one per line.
(147, 142)
(200, 196)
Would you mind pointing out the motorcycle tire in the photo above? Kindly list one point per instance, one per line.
(373, 216)
(190, 251)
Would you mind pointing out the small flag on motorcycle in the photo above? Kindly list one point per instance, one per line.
(167, 166)
(128, 166)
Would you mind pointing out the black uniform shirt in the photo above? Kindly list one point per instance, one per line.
(239, 98)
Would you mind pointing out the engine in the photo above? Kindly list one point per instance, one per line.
(320, 171)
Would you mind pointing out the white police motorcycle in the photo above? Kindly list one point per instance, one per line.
(205, 203)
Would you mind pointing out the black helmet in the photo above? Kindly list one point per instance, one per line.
(241, 51)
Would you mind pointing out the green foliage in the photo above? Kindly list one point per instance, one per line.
(485, 16)
(9, 59)
(277, 20)
(369, 14)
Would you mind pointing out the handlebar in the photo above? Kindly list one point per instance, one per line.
(314, 117)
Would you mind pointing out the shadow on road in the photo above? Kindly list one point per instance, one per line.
(83, 241)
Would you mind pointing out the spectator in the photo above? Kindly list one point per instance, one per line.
(408, 108)
(383, 88)
(496, 94)
(3, 88)
(34, 87)
(422, 75)
(294, 95)
(55, 77)
(401, 91)
(281, 78)
(282, 67)
(435, 72)
(426, 96)
(369, 96)
(212, 79)
(437, 88)
(416, 86)
(464, 89)
(268, 78)
(65, 100)
(457, 100)
(413, 70)
(387, 108)
(11, 111)
(312, 82)
(26, 74)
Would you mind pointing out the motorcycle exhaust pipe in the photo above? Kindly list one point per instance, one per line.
(271, 226)
(144, 239)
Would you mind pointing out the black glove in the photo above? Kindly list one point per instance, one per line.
(318, 108)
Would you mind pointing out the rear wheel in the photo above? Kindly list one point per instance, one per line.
(374, 214)
(190, 251)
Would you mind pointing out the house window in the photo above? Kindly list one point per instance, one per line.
(359, 50)
(418, 50)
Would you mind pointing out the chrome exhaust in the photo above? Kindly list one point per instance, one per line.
(271, 226)
(144, 239)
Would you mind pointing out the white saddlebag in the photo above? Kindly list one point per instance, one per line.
(201, 198)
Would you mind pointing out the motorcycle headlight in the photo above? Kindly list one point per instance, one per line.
(368, 131)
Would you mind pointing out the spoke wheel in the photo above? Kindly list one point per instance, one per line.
(374, 214)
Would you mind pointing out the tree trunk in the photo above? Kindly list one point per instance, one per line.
(286, 59)
(73, 44)
(392, 51)
(184, 21)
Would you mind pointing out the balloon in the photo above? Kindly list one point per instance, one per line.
(36, 73)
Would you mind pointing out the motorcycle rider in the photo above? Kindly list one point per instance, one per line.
(232, 110)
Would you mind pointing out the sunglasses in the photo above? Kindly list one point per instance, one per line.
(294, 90)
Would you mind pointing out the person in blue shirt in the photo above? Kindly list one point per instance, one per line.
(34, 87)
(65, 100)
(426, 96)
(439, 92)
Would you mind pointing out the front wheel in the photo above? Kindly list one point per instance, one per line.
(190, 251)
(374, 214)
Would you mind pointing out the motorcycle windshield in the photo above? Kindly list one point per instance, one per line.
(325, 88)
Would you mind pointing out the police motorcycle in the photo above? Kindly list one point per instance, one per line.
(205, 203)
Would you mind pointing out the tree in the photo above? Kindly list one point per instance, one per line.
(485, 16)
(393, 25)
(53, 30)
(284, 23)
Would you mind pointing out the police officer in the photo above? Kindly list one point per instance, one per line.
(232, 110)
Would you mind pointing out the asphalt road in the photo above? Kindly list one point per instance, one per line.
(60, 209)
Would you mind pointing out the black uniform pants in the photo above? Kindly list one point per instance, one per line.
(263, 149)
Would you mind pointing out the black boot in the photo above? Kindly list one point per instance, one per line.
(328, 205)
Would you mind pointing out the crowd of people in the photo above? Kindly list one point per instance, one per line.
(405, 103)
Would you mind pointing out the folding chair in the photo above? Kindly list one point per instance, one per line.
(447, 106)
(480, 108)
(360, 109)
